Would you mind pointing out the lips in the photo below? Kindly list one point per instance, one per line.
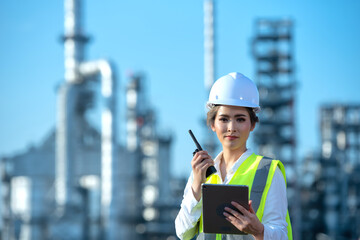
(231, 137)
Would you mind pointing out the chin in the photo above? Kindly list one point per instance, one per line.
(232, 146)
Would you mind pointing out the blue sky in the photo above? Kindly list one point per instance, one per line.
(164, 40)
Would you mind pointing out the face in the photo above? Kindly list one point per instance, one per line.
(232, 126)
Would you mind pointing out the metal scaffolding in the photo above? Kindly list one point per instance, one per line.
(275, 76)
(312, 197)
(154, 205)
(340, 141)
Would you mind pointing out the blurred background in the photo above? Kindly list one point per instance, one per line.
(97, 99)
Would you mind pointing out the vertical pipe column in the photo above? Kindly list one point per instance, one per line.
(109, 159)
(209, 60)
(134, 122)
(76, 72)
(73, 40)
(209, 64)
(113, 202)
(64, 146)
(66, 131)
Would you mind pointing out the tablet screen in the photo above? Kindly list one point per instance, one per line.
(215, 198)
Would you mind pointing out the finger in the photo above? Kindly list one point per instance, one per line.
(197, 159)
(202, 166)
(251, 208)
(232, 218)
(209, 162)
(234, 213)
(199, 156)
(203, 153)
(240, 208)
(200, 152)
(199, 166)
(238, 223)
(202, 162)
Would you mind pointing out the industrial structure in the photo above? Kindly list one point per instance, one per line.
(340, 158)
(310, 194)
(80, 183)
(209, 67)
(156, 194)
(332, 198)
(275, 77)
(324, 202)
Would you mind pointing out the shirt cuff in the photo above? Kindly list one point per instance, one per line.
(193, 206)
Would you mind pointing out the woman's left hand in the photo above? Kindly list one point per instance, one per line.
(246, 222)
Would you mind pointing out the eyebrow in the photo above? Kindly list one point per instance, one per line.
(237, 115)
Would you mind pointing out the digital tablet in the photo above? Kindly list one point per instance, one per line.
(215, 198)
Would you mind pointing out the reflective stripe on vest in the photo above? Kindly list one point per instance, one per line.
(256, 172)
(259, 182)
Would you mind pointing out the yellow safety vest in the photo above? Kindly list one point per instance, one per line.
(264, 169)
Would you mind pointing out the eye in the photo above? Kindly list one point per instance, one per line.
(223, 119)
(241, 119)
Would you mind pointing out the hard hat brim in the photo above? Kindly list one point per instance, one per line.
(232, 102)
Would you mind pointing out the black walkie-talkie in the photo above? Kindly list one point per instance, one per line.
(211, 169)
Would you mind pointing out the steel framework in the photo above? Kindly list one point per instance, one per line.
(340, 138)
(275, 76)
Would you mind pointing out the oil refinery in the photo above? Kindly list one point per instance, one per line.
(81, 183)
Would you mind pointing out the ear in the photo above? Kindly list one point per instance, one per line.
(213, 127)
(253, 127)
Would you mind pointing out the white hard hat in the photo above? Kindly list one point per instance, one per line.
(234, 89)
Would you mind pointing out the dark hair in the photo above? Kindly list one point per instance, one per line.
(211, 114)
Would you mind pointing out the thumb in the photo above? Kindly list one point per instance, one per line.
(250, 207)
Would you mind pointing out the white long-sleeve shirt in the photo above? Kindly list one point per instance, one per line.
(274, 218)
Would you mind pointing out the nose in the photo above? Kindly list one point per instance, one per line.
(231, 127)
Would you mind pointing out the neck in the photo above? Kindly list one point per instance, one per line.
(228, 160)
(231, 156)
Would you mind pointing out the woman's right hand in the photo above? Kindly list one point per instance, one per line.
(200, 163)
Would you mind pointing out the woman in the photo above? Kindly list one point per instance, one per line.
(233, 104)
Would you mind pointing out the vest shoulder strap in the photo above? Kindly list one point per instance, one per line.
(259, 182)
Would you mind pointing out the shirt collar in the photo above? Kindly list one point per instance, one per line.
(238, 162)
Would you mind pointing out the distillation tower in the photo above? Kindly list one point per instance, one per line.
(275, 76)
(80, 182)
(153, 201)
(209, 64)
(71, 128)
(340, 138)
